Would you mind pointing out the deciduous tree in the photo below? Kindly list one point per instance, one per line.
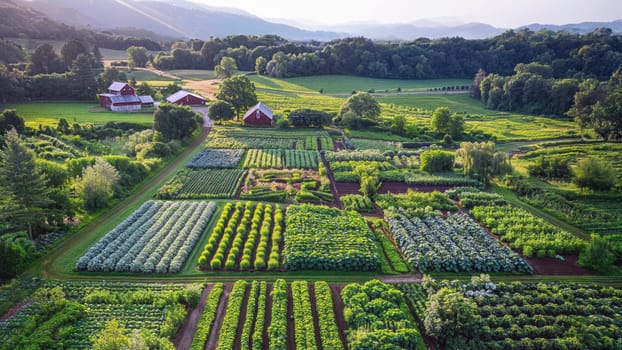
(97, 183)
(137, 56)
(363, 105)
(449, 316)
(226, 68)
(221, 110)
(481, 162)
(594, 174)
(441, 118)
(175, 122)
(239, 91)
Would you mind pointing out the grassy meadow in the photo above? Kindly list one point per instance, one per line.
(344, 84)
(48, 113)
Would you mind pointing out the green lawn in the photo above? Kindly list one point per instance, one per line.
(48, 113)
(287, 102)
(345, 84)
(193, 74)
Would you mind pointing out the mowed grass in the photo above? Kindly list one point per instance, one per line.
(193, 74)
(48, 114)
(457, 103)
(286, 102)
(345, 84)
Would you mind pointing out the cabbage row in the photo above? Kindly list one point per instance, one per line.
(216, 158)
(455, 244)
(322, 238)
(158, 237)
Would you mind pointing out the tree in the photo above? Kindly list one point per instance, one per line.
(23, 182)
(221, 110)
(10, 120)
(260, 65)
(456, 126)
(175, 122)
(363, 105)
(145, 89)
(594, 174)
(598, 106)
(477, 81)
(84, 85)
(12, 258)
(597, 255)
(480, 161)
(434, 161)
(226, 68)
(398, 125)
(97, 183)
(45, 60)
(137, 56)
(108, 76)
(71, 50)
(239, 91)
(308, 118)
(111, 338)
(441, 118)
(369, 175)
(450, 315)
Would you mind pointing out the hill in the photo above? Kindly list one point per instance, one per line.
(21, 21)
(180, 20)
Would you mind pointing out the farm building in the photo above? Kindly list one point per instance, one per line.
(121, 97)
(183, 97)
(259, 114)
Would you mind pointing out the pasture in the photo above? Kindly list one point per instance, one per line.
(345, 84)
(48, 114)
(193, 74)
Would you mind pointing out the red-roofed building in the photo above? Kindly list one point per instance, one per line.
(121, 97)
(183, 97)
(259, 114)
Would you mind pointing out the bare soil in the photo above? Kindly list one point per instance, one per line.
(237, 345)
(316, 323)
(333, 184)
(552, 266)
(266, 343)
(212, 340)
(339, 146)
(344, 188)
(184, 336)
(338, 310)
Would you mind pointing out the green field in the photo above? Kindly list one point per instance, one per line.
(345, 84)
(457, 103)
(193, 74)
(48, 113)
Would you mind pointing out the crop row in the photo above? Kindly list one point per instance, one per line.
(205, 184)
(454, 244)
(329, 334)
(278, 159)
(321, 238)
(304, 330)
(216, 158)
(526, 232)
(158, 237)
(396, 259)
(244, 234)
(208, 316)
(277, 331)
(309, 143)
(356, 202)
(229, 329)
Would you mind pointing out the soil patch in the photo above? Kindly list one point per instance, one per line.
(333, 184)
(400, 187)
(344, 188)
(338, 310)
(268, 316)
(552, 266)
(212, 340)
(291, 341)
(404, 278)
(186, 332)
(15, 310)
(339, 146)
(316, 323)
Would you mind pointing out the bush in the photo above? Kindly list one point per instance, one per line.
(436, 161)
(594, 174)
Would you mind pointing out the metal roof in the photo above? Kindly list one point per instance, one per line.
(117, 86)
(181, 94)
(262, 107)
(124, 99)
(145, 99)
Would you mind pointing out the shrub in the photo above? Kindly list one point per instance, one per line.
(594, 174)
(436, 161)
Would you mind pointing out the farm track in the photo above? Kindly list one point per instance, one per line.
(291, 341)
(268, 317)
(212, 340)
(186, 332)
(237, 344)
(331, 177)
(338, 311)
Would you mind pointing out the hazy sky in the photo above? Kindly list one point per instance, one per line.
(500, 13)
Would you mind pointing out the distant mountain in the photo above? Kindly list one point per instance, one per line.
(181, 19)
(421, 29)
(580, 28)
(19, 21)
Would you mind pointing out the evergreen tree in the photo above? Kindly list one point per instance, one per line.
(23, 182)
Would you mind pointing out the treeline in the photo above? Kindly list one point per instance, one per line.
(595, 54)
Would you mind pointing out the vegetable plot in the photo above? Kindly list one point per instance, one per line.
(203, 184)
(157, 237)
(278, 159)
(377, 317)
(216, 158)
(455, 244)
(322, 238)
(243, 237)
(208, 316)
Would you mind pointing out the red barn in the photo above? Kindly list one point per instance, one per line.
(183, 97)
(122, 89)
(260, 114)
(121, 97)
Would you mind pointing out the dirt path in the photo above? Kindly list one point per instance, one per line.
(291, 341)
(186, 332)
(237, 344)
(47, 268)
(268, 316)
(331, 177)
(406, 278)
(212, 340)
(338, 310)
(316, 319)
